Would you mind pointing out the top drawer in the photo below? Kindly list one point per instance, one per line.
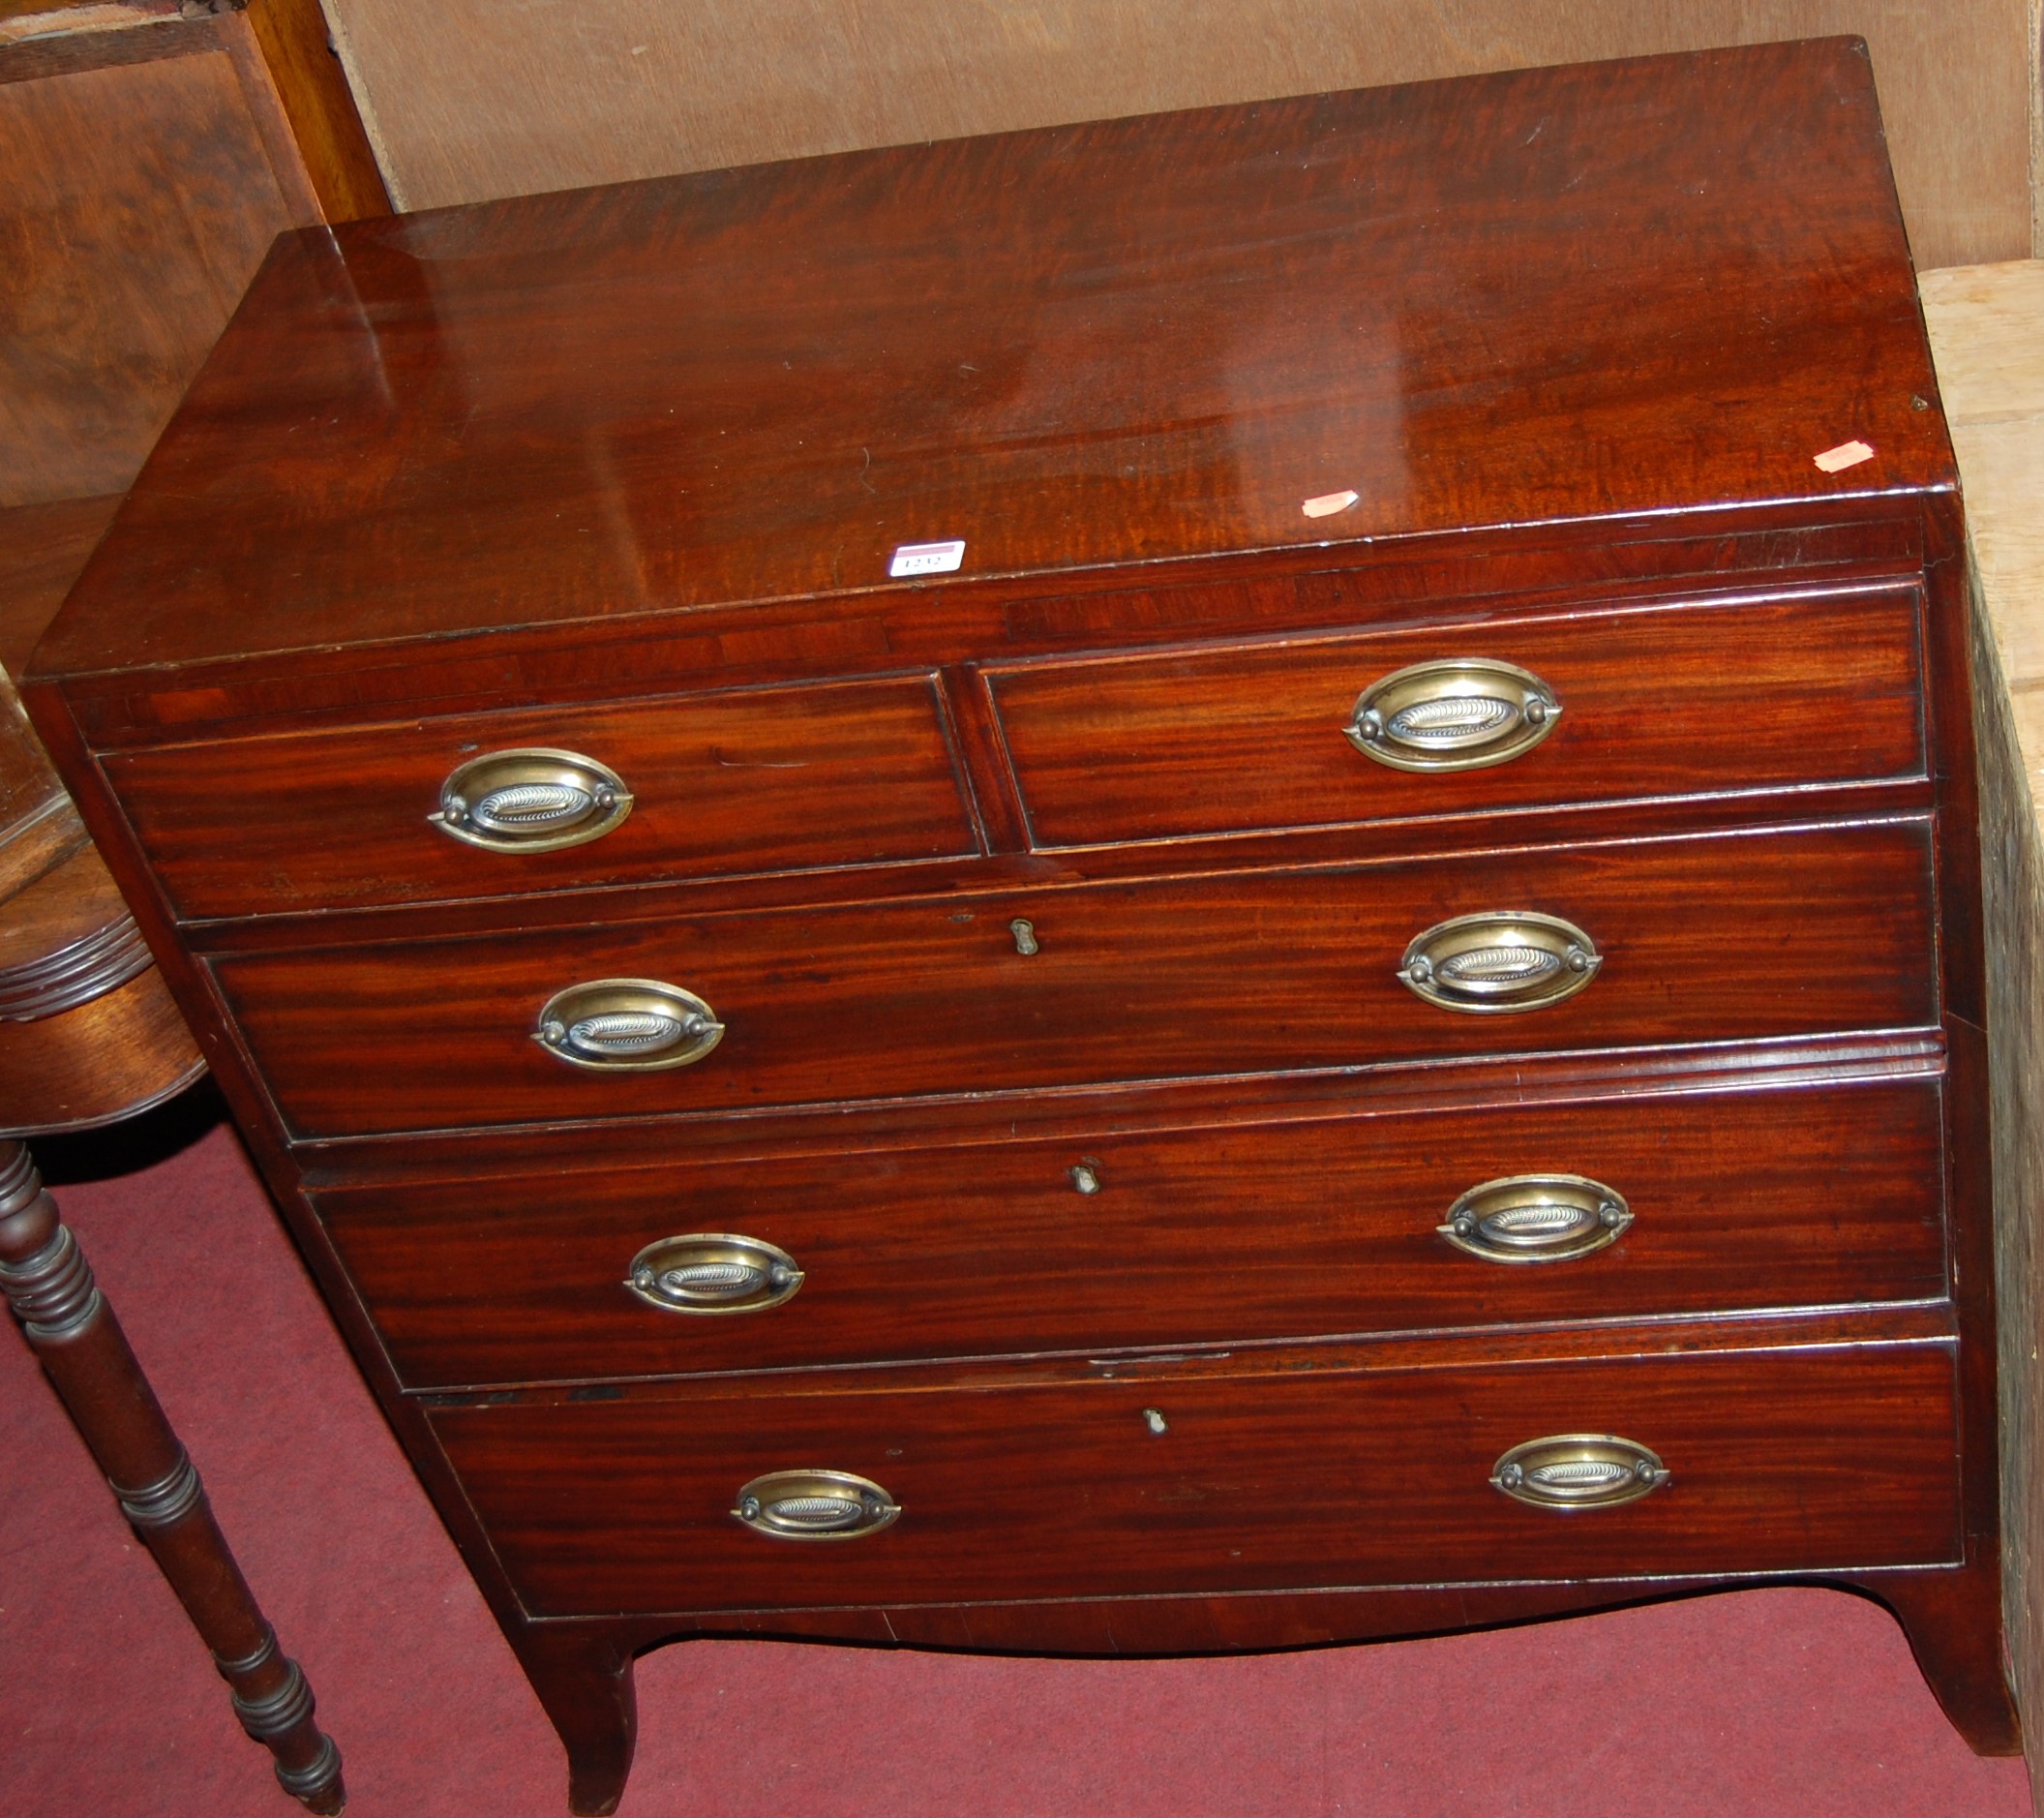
(1645, 702)
(766, 780)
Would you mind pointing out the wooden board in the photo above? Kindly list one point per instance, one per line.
(110, 291)
(1987, 331)
(555, 97)
(528, 418)
(125, 1048)
(110, 300)
(41, 549)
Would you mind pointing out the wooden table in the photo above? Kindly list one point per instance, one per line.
(88, 1037)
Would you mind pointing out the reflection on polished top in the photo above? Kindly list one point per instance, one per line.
(1596, 293)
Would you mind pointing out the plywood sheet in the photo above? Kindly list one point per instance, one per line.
(139, 199)
(2006, 527)
(1985, 324)
(472, 98)
(1987, 335)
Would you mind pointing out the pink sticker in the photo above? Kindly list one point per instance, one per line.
(1848, 454)
(1328, 503)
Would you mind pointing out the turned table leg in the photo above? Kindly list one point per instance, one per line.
(72, 1329)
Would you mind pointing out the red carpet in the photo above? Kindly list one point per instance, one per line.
(1789, 1700)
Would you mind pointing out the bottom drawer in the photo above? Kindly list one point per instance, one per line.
(1284, 1477)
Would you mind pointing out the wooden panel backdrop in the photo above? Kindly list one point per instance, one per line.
(150, 157)
(150, 160)
(472, 98)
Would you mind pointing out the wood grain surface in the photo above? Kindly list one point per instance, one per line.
(86, 1041)
(109, 302)
(41, 549)
(1299, 1477)
(2011, 746)
(28, 787)
(1230, 739)
(612, 90)
(1464, 580)
(1073, 349)
(302, 66)
(1217, 738)
(776, 780)
(1984, 323)
(100, 1063)
(44, 18)
(1572, 337)
(70, 901)
(1801, 1198)
(1721, 939)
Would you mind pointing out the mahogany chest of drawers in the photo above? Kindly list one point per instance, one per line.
(1199, 883)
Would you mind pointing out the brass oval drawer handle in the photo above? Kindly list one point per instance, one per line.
(531, 800)
(1456, 713)
(1537, 1218)
(1570, 1470)
(1505, 960)
(713, 1272)
(627, 1025)
(815, 1505)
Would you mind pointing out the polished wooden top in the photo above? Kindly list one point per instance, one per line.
(1552, 294)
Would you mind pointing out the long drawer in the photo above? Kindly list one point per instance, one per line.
(718, 786)
(1776, 1461)
(1676, 701)
(1720, 1201)
(1705, 939)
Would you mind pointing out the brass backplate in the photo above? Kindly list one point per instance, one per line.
(815, 1505)
(532, 799)
(1454, 713)
(1500, 962)
(713, 1272)
(627, 1025)
(1537, 1218)
(1576, 1470)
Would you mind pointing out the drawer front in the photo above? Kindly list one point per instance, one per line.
(1680, 701)
(1709, 939)
(1779, 1461)
(772, 780)
(1701, 939)
(1737, 1200)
